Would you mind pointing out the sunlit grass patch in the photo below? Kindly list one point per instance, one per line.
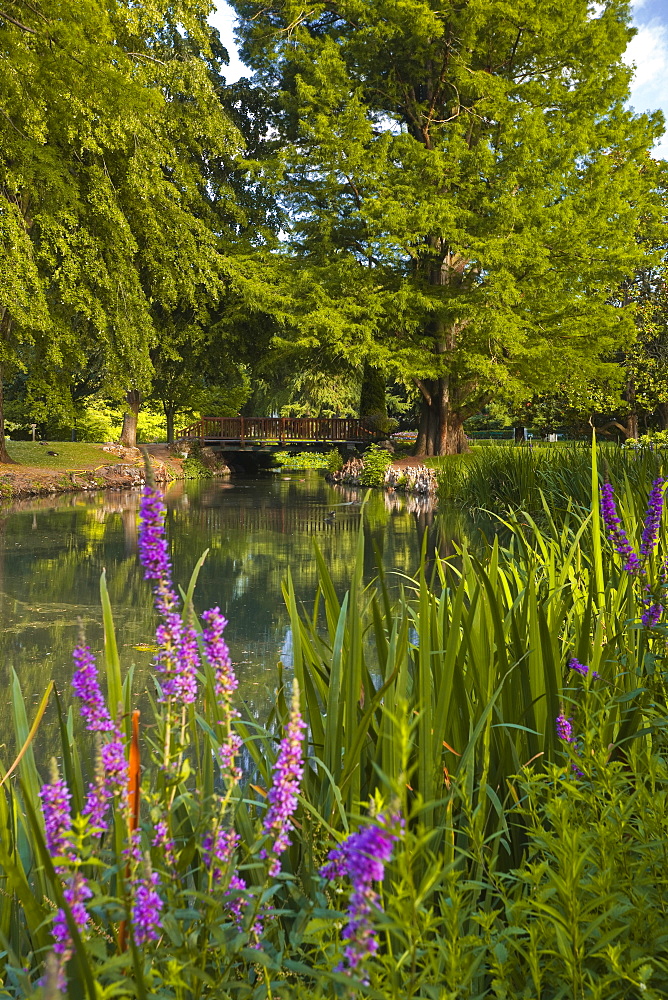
(69, 454)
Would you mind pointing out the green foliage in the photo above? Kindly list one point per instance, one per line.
(554, 478)
(334, 460)
(653, 439)
(422, 149)
(109, 201)
(194, 468)
(303, 460)
(375, 463)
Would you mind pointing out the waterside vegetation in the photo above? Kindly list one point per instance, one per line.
(434, 811)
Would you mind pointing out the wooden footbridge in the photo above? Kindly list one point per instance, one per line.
(275, 432)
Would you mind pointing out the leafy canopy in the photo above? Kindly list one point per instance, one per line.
(463, 182)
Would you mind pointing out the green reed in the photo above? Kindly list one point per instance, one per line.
(496, 479)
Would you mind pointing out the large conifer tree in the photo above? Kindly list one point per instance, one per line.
(463, 178)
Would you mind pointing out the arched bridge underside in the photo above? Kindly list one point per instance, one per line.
(277, 432)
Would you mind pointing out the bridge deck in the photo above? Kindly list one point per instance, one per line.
(254, 431)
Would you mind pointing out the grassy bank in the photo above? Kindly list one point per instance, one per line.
(70, 455)
(75, 466)
(553, 477)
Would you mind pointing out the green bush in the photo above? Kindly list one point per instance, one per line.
(194, 468)
(303, 460)
(654, 439)
(334, 460)
(375, 462)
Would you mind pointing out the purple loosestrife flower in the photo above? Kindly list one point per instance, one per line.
(226, 684)
(218, 851)
(146, 909)
(112, 769)
(564, 728)
(650, 533)
(87, 687)
(147, 904)
(283, 794)
(111, 779)
(238, 905)
(153, 549)
(652, 615)
(178, 656)
(581, 668)
(57, 820)
(362, 858)
(76, 894)
(162, 840)
(616, 532)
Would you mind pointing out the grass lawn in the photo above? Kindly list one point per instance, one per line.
(70, 455)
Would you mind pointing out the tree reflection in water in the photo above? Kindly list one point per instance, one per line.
(53, 550)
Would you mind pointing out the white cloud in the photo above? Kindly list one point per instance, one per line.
(648, 50)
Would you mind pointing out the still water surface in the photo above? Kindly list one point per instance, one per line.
(52, 552)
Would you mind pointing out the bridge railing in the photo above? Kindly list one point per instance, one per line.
(278, 430)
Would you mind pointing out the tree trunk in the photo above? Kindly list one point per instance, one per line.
(5, 458)
(170, 413)
(5, 326)
(632, 425)
(632, 419)
(129, 431)
(663, 415)
(441, 429)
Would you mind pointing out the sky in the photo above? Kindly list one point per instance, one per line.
(648, 50)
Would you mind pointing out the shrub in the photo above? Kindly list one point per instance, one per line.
(303, 460)
(375, 463)
(194, 468)
(334, 460)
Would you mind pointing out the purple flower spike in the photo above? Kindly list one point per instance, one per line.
(86, 686)
(238, 905)
(219, 851)
(581, 668)
(650, 533)
(226, 684)
(146, 902)
(615, 530)
(652, 615)
(57, 820)
(153, 549)
(111, 779)
(283, 794)
(564, 728)
(178, 657)
(362, 858)
(162, 840)
(146, 910)
(76, 894)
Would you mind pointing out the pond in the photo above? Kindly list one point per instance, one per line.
(52, 552)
